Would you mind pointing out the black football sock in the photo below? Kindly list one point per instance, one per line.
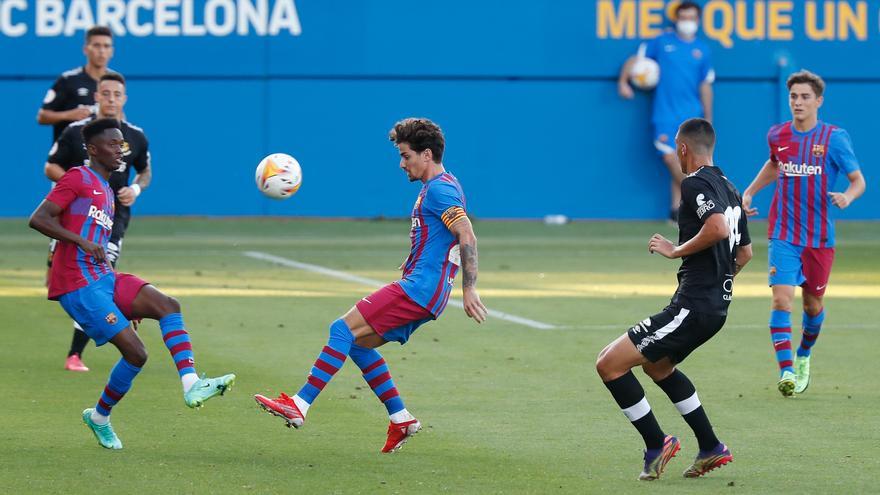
(630, 396)
(683, 394)
(78, 344)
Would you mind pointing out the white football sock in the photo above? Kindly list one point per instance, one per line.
(99, 419)
(301, 404)
(401, 416)
(188, 380)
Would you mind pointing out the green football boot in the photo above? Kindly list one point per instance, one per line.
(104, 433)
(786, 384)
(802, 368)
(207, 388)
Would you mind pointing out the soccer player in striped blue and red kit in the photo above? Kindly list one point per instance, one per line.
(806, 157)
(442, 240)
(78, 212)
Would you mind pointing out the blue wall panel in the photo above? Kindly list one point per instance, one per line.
(525, 91)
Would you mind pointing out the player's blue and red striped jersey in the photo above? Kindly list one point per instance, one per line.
(808, 164)
(86, 200)
(434, 258)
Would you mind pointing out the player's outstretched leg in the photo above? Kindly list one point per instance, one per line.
(713, 454)
(614, 367)
(812, 325)
(134, 356)
(780, 332)
(375, 372)
(77, 346)
(151, 303)
(294, 409)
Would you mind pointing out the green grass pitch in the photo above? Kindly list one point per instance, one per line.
(505, 408)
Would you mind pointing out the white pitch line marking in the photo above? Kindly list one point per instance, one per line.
(375, 283)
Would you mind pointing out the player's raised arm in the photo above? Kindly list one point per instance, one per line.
(714, 230)
(128, 194)
(766, 176)
(856, 188)
(462, 229)
(45, 221)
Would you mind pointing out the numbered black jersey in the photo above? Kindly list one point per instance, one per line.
(705, 279)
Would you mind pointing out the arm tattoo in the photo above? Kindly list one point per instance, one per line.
(469, 265)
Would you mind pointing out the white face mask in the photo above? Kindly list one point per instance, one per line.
(687, 28)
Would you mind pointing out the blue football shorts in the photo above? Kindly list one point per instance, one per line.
(93, 308)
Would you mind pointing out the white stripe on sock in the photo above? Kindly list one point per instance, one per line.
(638, 411)
(301, 404)
(401, 416)
(99, 419)
(188, 380)
(688, 405)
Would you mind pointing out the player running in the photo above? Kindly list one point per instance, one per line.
(806, 157)
(442, 241)
(69, 151)
(78, 212)
(714, 245)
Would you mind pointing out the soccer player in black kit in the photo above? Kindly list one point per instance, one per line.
(72, 97)
(714, 245)
(69, 151)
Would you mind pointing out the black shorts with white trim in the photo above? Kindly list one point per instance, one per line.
(674, 332)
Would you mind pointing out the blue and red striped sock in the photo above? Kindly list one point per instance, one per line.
(118, 384)
(378, 377)
(812, 327)
(780, 332)
(330, 360)
(177, 341)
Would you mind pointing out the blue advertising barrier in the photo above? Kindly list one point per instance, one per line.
(524, 90)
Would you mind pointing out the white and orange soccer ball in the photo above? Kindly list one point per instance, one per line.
(279, 176)
(645, 73)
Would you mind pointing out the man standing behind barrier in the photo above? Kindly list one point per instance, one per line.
(684, 90)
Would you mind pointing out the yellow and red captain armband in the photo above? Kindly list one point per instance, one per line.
(452, 215)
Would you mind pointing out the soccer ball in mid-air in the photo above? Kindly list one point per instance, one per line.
(645, 73)
(279, 176)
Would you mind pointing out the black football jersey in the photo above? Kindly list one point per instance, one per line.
(705, 279)
(71, 90)
(70, 151)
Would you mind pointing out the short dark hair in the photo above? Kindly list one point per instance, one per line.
(421, 134)
(804, 76)
(112, 76)
(699, 133)
(686, 6)
(97, 127)
(98, 31)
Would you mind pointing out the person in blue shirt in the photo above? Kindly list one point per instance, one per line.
(684, 90)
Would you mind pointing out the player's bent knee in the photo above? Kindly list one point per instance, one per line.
(658, 371)
(813, 307)
(173, 305)
(781, 303)
(605, 367)
(137, 357)
(166, 305)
